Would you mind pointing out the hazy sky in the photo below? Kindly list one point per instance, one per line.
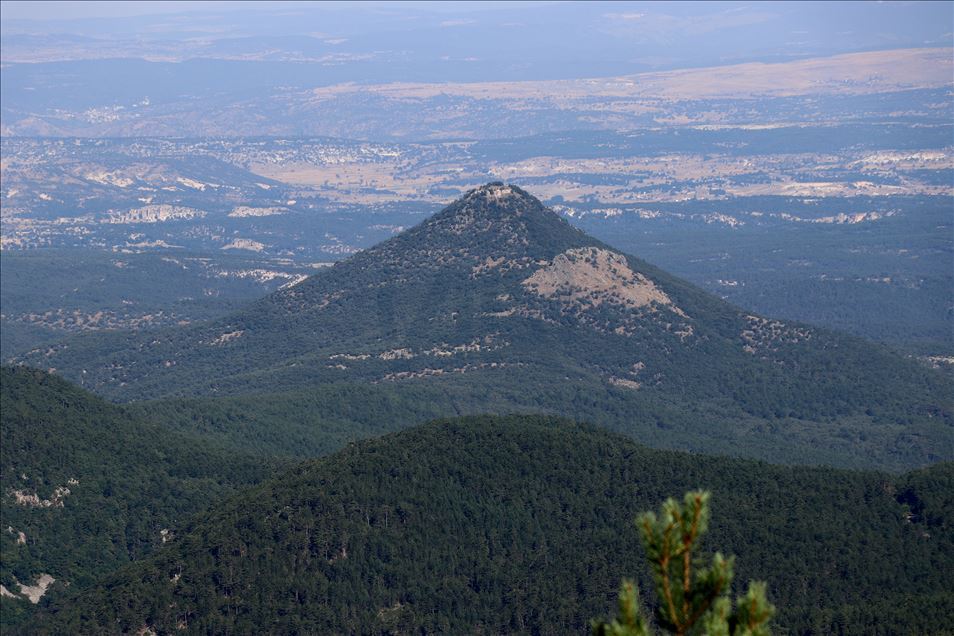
(47, 10)
(56, 10)
(467, 41)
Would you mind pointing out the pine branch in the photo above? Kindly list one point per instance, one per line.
(703, 599)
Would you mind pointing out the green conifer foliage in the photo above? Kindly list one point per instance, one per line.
(693, 599)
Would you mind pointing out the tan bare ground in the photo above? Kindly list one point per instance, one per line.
(36, 592)
(358, 182)
(32, 500)
(244, 244)
(226, 337)
(852, 73)
(595, 276)
(395, 181)
(382, 174)
(628, 384)
(836, 189)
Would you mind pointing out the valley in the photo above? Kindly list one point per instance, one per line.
(405, 318)
(839, 189)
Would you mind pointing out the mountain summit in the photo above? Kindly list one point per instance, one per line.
(500, 303)
(508, 256)
(493, 221)
(501, 229)
(502, 211)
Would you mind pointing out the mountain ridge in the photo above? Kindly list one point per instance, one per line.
(499, 296)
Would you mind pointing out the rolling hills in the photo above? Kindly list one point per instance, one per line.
(525, 525)
(495, 304)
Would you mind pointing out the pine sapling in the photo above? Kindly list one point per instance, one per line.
(693, 599)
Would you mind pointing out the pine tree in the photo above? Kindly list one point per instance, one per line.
(693, 599)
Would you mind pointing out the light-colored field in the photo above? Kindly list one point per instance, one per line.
(853, 73)
(643, 179)
(717, 95)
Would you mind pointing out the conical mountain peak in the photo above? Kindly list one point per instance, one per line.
(495, 200)
(514, 255)
(500, 193)
(495, 221)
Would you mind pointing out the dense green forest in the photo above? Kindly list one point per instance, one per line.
(446, 305)
(525, 525)
(316, 421)
(86, 487)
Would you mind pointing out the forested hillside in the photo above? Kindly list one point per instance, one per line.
(86, 487)
(525, 525)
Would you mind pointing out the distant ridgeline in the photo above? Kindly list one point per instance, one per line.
(496, 304)
(524, 525)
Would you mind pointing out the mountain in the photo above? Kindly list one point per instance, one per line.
(497, 304)
(86, 487)
(525, 525)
